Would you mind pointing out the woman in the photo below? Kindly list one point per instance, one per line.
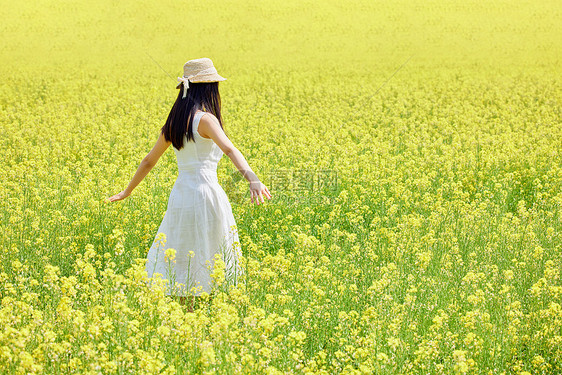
(198, 222)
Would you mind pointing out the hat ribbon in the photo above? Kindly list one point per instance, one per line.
(185, 80)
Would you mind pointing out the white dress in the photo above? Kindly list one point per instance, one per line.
(198, 219)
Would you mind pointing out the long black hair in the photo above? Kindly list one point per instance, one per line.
(202, 96)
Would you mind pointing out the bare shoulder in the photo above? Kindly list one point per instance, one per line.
(209, 118)
(207, 124)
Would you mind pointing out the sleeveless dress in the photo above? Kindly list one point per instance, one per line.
(198, 223)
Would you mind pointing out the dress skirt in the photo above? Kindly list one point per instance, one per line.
(198, 224)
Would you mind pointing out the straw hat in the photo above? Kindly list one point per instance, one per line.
(198, 70)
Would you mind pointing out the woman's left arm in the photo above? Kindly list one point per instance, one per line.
(145, 166)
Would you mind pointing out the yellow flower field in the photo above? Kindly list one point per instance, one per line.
(413, 150)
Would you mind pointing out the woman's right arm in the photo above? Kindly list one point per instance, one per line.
(209, 127)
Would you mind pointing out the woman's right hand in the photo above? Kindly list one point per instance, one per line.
(257, 191)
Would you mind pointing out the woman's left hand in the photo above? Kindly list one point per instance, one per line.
(118, 197)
